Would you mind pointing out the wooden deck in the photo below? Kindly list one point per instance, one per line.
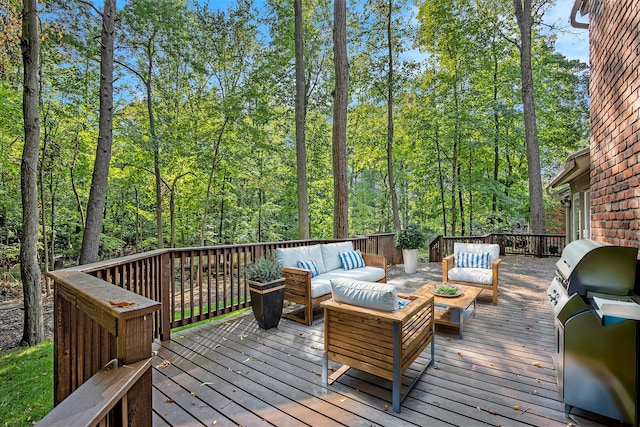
(233, 373)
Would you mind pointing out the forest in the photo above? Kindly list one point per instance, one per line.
(204, 121)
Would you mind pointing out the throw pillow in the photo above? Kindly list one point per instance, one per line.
(377, 296)
(472, 260)
(351, 259)
(309, 265)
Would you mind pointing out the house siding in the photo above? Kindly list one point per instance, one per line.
(614, 33)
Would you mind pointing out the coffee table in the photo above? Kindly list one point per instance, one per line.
(452, 311)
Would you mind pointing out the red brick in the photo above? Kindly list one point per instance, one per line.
(615, 120)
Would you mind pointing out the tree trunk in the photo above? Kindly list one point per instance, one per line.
(212, 172)
(301, 112)
(43, 205)
(392, 182)
(443, 208)
(340, 100)
(156, 157)
(536, 206)
(496, 137)
(100, 179)
(33, 331)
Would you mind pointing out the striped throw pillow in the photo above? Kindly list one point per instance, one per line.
(309, 265)
(351, 259)
(472, 260)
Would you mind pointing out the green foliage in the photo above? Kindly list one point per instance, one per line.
(27, 381)
(264, 270)
(410, 237)
(223, 85)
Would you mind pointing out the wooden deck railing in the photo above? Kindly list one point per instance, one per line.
(103, 333)
(96, 323)
(510, 244)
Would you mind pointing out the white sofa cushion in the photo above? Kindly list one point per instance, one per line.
(474, 275)
(367, 274)
(289, 257)
(377, 296)
(331, 254)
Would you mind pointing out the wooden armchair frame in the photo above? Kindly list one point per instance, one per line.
(381, 343)
(297, 288)
(449, 262)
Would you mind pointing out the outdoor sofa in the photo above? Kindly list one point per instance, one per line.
(308, 271)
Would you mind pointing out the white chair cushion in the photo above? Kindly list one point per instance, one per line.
(377, 296)
(473, 275)
(331, 255)
(289, 257)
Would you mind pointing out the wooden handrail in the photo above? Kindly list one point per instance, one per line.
(94, 400)
(94, 323)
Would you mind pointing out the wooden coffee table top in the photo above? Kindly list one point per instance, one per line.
(470, 293)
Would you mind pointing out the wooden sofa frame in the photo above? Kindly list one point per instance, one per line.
(449, 262)
(381, 343)
(297, 288)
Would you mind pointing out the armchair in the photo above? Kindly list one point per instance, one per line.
(381, 343)
(473, 264)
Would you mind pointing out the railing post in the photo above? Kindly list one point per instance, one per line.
(165, 296)
(134, 338)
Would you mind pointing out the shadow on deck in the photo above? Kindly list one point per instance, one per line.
(233, 373)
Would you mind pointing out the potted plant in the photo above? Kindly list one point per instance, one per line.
(410, 239)
(266, 287)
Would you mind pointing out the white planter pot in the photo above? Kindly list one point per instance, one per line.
(410, 257)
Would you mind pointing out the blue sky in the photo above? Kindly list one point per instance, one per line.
(572, 42)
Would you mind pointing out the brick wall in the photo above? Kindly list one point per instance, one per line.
(614, 33)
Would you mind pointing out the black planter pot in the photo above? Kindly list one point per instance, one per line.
(266, 300)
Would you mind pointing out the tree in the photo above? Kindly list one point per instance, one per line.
(524, 18)
(29, 269)
(99, 182)
(390, 84)
(339, 135)
(150, 24)
(301, 112)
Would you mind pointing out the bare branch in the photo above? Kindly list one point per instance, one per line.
(92, 6)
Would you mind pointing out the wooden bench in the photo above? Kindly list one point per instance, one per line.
(381, 343)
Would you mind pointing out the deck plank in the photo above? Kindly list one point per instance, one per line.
(500, 374)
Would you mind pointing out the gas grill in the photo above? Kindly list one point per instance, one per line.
(596, 311)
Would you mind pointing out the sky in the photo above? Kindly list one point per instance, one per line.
(572, 42)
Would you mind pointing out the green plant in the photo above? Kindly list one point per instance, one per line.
(410, 237)
(264, 270)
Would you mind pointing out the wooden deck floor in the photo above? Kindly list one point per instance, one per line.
(501, 373)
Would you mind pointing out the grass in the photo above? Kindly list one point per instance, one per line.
(26, 374)
(178, 314)
(213, 319)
